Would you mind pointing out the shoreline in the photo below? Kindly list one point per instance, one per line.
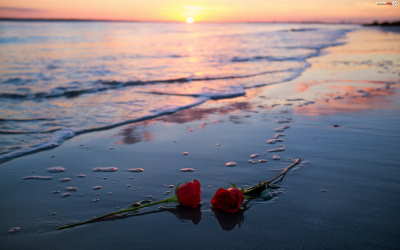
(60, 136)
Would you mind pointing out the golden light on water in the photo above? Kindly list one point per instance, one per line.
(190, 20)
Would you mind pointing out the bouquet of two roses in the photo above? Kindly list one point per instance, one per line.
(230, 200)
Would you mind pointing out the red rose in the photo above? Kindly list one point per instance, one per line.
(189, 194)
(227, 200)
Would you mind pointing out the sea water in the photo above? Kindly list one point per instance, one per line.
(62, 79)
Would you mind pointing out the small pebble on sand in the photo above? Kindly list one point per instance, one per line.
(105, 169)
(295, 99)
(66, 179)
(230, 164)
(97, 187)
(276, 157)
(37, 177)
(185, 153)
(136, 170)
(274, 140)
(71, 189)
(81, 175)
(335, 125)
(66, 194)
(308, 103)
(281, 129)
(252, 156)
(14, 230)
(278, 135)
(278, 149)
(262, 161)
(252, 161)
(187, 170)
(57, 169)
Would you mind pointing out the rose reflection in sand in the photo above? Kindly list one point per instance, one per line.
(227, 221)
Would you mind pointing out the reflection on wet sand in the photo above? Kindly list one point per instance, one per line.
(196, 114)
(229, 221)
(185, 213)
(139, 133)
(346, 96)
(135, 134)
(311, 98)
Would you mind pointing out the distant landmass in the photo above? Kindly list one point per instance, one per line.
(383, 24)
(5, 19)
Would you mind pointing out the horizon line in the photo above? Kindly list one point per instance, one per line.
(33, 19)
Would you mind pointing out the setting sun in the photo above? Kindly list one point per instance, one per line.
(190, 20)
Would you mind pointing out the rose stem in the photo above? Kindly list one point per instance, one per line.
(132, 209)
(262, 185)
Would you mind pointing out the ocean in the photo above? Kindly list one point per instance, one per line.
(60, 79)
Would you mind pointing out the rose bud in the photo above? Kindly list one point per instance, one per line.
(228, 200)
(189, 194)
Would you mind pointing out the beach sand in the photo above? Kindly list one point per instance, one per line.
(344, 122)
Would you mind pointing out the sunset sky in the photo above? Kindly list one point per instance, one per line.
(203, 10)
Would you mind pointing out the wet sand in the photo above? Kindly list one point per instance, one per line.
(344, 122)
